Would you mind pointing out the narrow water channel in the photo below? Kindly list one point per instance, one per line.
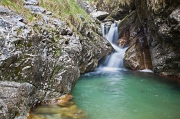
(122, 94)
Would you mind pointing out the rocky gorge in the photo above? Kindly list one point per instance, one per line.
(150, 29)
(42, 56)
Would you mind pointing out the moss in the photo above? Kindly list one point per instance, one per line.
(57, 53)
(123, 19)
(29, 44)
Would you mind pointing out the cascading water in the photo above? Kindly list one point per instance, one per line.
(115, 60)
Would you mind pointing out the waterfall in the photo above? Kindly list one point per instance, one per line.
(115, 60)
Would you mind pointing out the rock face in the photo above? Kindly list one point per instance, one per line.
(131, 34)
(161, 23)
(44, 57)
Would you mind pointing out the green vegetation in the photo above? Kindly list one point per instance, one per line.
(66, 10)
(17, 6)
(12, 4)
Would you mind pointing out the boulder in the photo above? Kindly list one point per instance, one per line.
(137, 56)
(101, 15)
(117, 9)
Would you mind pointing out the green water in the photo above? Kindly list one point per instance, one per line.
(127, 95)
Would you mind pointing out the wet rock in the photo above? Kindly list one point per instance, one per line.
(124, 39)
(88, 40)
(56, 112)
(137, 56)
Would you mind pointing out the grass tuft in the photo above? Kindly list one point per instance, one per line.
(66, 10)
(17, 6)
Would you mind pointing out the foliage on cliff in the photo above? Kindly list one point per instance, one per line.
(66, 10)
(122, 2)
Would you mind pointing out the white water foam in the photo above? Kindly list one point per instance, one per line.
(146, 70)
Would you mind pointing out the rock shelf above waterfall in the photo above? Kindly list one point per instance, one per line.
(101, 15)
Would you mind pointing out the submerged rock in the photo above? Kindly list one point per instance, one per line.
(64, 100)
(59, 108)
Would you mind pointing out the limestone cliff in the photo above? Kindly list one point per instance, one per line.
(42, 56)
(161, 24)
